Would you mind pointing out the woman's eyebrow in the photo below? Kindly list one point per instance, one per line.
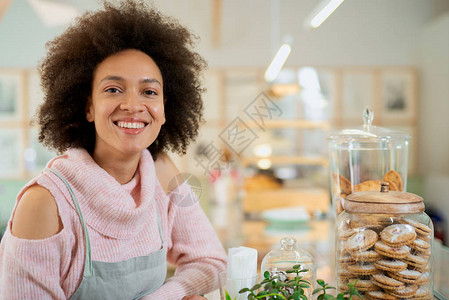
(113, 77)
(150, 80)
(118, 78)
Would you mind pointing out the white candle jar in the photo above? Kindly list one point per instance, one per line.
(279, 260)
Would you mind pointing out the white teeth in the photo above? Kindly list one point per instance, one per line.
(133, 125)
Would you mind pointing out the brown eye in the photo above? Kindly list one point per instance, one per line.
(112, 90)
(150, 92)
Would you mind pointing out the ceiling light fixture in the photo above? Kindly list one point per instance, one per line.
(277, 63)
(324, 13)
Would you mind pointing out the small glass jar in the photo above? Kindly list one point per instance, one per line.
(384, 241)
(279, 260)
(361, 157)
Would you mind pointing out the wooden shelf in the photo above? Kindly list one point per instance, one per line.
(302, 124)
(295, 160)
(256, 201)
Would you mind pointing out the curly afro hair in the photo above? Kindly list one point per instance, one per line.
(67, 74)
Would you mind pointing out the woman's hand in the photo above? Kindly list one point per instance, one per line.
(193, 297)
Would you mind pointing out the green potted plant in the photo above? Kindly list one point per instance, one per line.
(277, 287)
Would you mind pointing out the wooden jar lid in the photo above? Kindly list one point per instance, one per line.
(383, 202)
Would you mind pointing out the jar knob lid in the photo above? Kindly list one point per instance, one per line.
(368, 117)
(384, 187)
(288, 243)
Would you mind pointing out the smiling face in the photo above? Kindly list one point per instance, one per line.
(127, 104)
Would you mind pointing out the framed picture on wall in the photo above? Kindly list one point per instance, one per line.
(398, 95)
(10, 95)
(358, 94)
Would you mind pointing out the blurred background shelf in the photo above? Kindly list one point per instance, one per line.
(312, 199)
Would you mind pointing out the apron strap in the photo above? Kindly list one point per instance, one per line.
(88, 262)
(159, 224)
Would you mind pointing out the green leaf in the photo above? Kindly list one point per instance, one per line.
(327, 296)
(256, 287)
(266, 274)
(290, 271)
(280, 283)
(296, 296)
(304, 270)
(227, 295)
(296, 267)
(317, 290)
(304, 285)
(244, 290)
(340, 296)
(320, 282)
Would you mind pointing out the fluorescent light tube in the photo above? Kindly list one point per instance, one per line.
(278, 61)
(324, 13)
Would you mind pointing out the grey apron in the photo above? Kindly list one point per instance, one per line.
(129, 279)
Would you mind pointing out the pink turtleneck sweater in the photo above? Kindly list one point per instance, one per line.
(122, 223)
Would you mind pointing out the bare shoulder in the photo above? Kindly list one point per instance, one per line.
(166, 170)
(36, 216)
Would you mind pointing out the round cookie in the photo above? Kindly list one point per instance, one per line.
(362, 270)
(407, 276)
(380, 295)
(365, 256)
(387, 283)
(369, 185)
(345, 260)
(346, 234)
(419, 227)
(390, 265)
(364, 285)
(424, 237)
(415, 261)
(343, 183)
(423, 293)
(393, 252)
(424, 279)
(344, 274)
(398, 235)
(394, 177)
(406, 293)
(420, 246)
(361, 241)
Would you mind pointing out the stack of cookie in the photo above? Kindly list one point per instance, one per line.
(389, 258)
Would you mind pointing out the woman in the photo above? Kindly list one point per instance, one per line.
(121, 88)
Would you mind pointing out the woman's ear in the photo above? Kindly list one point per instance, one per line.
(89, 110)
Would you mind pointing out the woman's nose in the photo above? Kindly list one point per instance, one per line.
(132, 103)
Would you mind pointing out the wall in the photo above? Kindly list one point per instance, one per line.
(433, 64)
(361, 32)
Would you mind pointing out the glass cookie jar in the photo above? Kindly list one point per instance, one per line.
(361, 157)
(279, 260)
(384, 241)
